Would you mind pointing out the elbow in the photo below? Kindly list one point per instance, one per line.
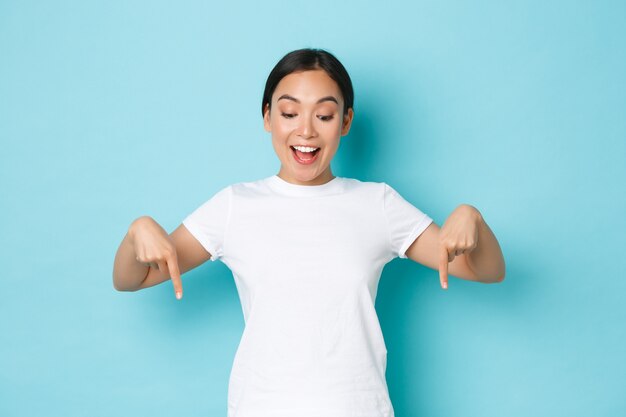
(503, 274)
(119, 286)
(499, 278)
(125, 289)
(493, 279)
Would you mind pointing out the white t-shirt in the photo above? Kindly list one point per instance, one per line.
(306, 262)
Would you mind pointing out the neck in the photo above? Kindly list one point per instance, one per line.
(323, 178)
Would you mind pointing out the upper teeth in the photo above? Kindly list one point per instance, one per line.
(304, 148)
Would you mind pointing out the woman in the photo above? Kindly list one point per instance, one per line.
(306, 250)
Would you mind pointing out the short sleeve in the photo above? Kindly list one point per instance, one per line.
(208, 223)
(405, 221)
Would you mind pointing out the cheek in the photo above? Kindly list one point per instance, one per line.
(279, 141)
(332, 131)
(279, 148)
(333, 127)
(281, 127)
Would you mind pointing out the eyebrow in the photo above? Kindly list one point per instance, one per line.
(321, 100)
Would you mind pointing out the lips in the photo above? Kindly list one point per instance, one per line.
(304, 158)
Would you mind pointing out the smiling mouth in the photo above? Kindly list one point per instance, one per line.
(305, 155)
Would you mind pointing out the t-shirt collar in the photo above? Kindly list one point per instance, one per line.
(333, 186)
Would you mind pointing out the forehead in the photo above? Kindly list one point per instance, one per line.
(308, 86)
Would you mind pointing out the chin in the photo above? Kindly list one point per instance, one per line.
(305, 174)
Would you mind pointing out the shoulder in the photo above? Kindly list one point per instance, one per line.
(253, 188)
(353, 184)
(373, 190)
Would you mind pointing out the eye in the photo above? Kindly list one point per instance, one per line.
(325, 118)
(288, 115)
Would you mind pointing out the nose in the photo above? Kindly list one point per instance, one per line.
(306, 129)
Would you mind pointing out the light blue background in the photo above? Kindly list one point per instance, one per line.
(110, 110)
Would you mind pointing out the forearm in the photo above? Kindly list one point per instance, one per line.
(486, 260)
(128, 273)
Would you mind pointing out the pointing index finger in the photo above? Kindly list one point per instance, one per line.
(443, 268)
(172, 266)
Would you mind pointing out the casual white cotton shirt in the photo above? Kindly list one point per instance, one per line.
(306, 262)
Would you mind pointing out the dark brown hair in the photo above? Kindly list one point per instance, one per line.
(309, 59)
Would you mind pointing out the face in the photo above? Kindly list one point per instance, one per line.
(306, 124)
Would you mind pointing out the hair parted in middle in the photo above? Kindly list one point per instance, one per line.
(309, 59)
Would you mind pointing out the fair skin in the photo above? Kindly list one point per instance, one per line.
(307, 109)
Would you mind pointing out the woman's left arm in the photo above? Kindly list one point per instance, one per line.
(464, 246)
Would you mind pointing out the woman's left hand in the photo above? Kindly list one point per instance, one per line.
(458, 235)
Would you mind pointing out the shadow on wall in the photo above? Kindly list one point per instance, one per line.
(409, 297)
(209, 291)
(356, 155)
(362, 152)
(387, 114)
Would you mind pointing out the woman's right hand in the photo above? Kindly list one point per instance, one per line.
(154, 248)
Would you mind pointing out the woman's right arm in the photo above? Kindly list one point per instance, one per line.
(149, 256)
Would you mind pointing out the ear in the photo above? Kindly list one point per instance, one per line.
(347, 122)
(266, 118)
